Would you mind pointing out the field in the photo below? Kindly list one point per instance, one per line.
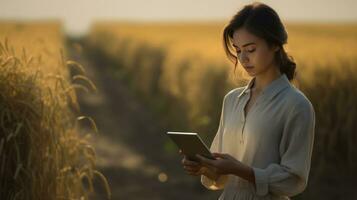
(150, 78)
(43, 151)
(181, 68)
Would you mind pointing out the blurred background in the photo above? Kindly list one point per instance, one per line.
(135, 69)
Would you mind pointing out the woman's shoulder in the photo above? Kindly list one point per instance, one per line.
(234, 92)
(295, 98)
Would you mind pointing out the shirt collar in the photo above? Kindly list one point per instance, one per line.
(272, 89)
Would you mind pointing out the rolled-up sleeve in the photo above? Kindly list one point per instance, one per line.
(216, 146)
(290, 176)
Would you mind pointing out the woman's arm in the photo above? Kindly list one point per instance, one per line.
(245, 172)
(227, 164)
(290, 176)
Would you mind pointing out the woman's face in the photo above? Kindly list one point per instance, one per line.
(253, 53)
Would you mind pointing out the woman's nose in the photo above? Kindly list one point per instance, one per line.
(243, 58)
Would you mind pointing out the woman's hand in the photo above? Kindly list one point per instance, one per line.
(191, 167)
(195, 168)
(224, 164)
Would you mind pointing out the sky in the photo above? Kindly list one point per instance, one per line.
(77, 15)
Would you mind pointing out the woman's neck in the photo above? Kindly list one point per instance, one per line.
(262, 80)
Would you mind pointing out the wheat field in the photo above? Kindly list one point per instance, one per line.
(172, 68)
(181, 68)
(43, 152)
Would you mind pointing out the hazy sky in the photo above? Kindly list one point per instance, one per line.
(78, 14)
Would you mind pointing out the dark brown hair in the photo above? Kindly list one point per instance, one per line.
(262, 21)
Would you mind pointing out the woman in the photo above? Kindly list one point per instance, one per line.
(265, 137)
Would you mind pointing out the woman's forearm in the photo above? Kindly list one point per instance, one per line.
(245, 172)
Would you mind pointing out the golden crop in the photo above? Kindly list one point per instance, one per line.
(43, 154)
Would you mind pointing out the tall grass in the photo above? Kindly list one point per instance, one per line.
(43, 154)
(333, 93)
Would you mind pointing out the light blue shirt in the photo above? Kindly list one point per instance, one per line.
(275, 139)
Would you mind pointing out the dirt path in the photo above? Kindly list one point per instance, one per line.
(130, 143)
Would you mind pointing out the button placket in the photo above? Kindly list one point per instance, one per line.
(243, 117)
(243, 120)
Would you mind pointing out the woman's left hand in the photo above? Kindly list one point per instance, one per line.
(224, 163)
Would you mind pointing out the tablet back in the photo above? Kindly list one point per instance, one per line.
(191, 144)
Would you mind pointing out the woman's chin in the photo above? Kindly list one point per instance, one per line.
(250, 73)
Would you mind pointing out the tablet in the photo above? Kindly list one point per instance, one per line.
(190, 144)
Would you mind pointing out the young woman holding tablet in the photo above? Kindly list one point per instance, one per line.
(265, 137)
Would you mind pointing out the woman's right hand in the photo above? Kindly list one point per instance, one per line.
(191, 167)
(195, 168)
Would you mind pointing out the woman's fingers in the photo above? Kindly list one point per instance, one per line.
(220, 155)
(187, 162)
(205, 161)
(192, 171)
(189, 168)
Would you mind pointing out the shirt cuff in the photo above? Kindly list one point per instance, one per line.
(261, 181)
(217, 184)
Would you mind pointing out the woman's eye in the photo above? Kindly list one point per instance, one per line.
(250, 51)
